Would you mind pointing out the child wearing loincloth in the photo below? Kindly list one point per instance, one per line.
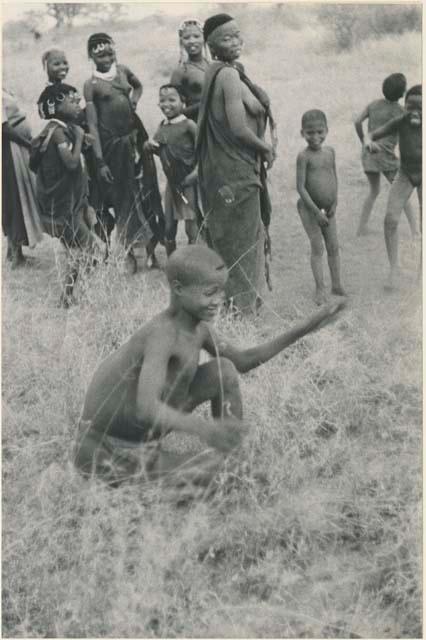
(408, 126)
(152, 383)
(381, 157)
(174, 142)
(62, 188)
(317, 187)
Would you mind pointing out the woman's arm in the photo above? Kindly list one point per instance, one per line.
(92, 123)
(358, 124)
(247, 359)
(136, 85)
(229, 81)
(10, 133)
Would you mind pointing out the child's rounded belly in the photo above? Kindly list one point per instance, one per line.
(322, 187)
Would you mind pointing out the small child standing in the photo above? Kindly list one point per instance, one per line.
(408, 126)
(317, 187)
(381, 158)
(174, 142)
(62, 189)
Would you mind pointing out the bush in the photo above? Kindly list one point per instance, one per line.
(352, 24)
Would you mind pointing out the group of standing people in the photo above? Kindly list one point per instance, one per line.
(89, 163)
(213, 150)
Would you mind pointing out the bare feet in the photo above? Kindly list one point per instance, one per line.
(392, 281)
(320, 297)
(18, 260)
(152, 262)
(339, 291)
(66, 301)
(130, 263)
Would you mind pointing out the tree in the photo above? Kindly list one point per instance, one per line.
(64, 13)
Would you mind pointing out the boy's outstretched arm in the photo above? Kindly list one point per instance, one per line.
(153, 412)
(247, 359)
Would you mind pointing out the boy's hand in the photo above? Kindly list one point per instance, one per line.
(88, 140)
(226, 434)
(134, 103)
(269, 156)
(332, 210)
(329, 312)
(151, 145)
(371, 146)
(322, 218)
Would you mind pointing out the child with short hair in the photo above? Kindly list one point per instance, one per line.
(56, 65)
(152, 383)
(317, 187)
(174, 142)
(62, 189)
(381, 158)
(408, 126)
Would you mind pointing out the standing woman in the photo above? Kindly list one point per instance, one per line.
(20, 214)
(112, 95)
(231, 156)
(189, 74)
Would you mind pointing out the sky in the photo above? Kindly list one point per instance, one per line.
(15, 10)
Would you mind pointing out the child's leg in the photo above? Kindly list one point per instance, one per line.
(313, 231)
(332, 245)
(367, 207)
(191, 229)
(399, 194)
(217, 382)
(170, 222)
(408, 209)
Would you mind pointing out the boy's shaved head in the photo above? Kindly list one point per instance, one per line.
(313, 115)
(194, 264)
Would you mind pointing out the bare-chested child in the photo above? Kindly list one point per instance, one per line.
(317, 187)
(409, 177)
(152, 383)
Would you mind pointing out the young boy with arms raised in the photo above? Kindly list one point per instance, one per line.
(152, 383)
(317, 188)
(174, 142)
(381, 158)
(408, 126)
(62, 189)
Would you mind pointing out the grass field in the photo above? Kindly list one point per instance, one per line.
(331, 545)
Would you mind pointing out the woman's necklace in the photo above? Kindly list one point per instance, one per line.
(198, 65)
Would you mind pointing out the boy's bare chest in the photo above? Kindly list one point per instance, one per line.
(182, 367)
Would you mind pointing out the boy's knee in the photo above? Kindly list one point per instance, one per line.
(317, 247)
(333, 250)
(391, 220)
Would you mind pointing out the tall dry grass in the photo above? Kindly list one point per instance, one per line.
(329, 544)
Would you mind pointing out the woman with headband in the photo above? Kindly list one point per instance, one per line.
(232, 155)
(189, 74)
(112, 95)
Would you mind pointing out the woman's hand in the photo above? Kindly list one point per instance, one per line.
(105, 174)
(88, 140)
(190, 179)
